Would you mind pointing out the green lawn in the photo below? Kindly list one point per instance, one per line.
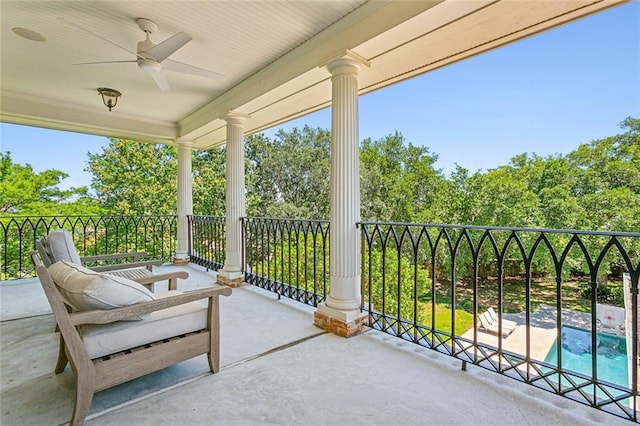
(463, 319)
(514, 294)
(513, 300)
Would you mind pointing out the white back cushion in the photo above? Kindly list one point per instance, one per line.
(60, 247)
(84, 289)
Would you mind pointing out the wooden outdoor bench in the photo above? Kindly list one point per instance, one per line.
(106, 347)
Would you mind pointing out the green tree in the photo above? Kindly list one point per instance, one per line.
(508, 201)
(398, 181)
(25, 196)
(595, 187)
(208, 170)
(24, 192)
(132, 177)
(461, 196)
(608, 179)
(288, 176)
(135, 178)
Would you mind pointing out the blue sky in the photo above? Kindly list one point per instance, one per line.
(547, 94)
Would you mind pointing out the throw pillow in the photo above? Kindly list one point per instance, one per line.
(60, 246)
(84, 289)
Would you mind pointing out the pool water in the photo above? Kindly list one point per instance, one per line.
(611, 354)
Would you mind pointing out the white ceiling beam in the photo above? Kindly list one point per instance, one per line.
(362, 24)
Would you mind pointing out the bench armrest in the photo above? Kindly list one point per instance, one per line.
(135, 256)
(115, 256)
(106, 316)
(144, 264)
(161, 277)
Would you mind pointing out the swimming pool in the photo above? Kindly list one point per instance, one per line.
(611, 354)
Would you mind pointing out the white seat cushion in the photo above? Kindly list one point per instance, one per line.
(60, 246)
(105, 339)
(84, 289)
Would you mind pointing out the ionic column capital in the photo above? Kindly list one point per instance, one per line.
(235, 117)
(185, 142)
(345, 62)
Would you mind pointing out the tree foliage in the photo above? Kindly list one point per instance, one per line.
(208, 171)
(607, 179)
(288, 176)
(135, 178)
(25, 196)
(597, 186)
(398, 181)
(24, 192)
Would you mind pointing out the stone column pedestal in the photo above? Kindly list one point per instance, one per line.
(231, 279)
(181, 261)
(342, 323)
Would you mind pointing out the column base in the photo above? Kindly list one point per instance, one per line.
(230, 279)
(180, 261)
(342, 323)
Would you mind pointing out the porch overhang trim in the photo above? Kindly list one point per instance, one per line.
(32, 111)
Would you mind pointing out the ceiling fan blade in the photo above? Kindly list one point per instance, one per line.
(161, 81)
(163, 50)
(73, 24)
(104, 62)
(175, 66)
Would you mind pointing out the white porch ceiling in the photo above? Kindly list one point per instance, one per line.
(271, 54)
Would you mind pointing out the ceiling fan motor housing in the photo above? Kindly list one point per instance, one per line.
(149, 65)
(146, 62)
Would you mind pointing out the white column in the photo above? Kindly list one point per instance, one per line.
(343, 302)
(234, 198)
(185, 199)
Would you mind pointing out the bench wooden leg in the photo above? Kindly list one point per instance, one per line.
(173, 283)
(84, 396)
(62, 357)
(213, 324)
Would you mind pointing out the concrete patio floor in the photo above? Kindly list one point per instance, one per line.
(277, 368)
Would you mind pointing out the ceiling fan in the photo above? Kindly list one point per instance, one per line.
(153, 58)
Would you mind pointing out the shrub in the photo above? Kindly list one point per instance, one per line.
(609, 294)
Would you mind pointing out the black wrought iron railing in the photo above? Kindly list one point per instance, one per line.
(207, 238)
(555, 309)
(289, 257)
(92, 235)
